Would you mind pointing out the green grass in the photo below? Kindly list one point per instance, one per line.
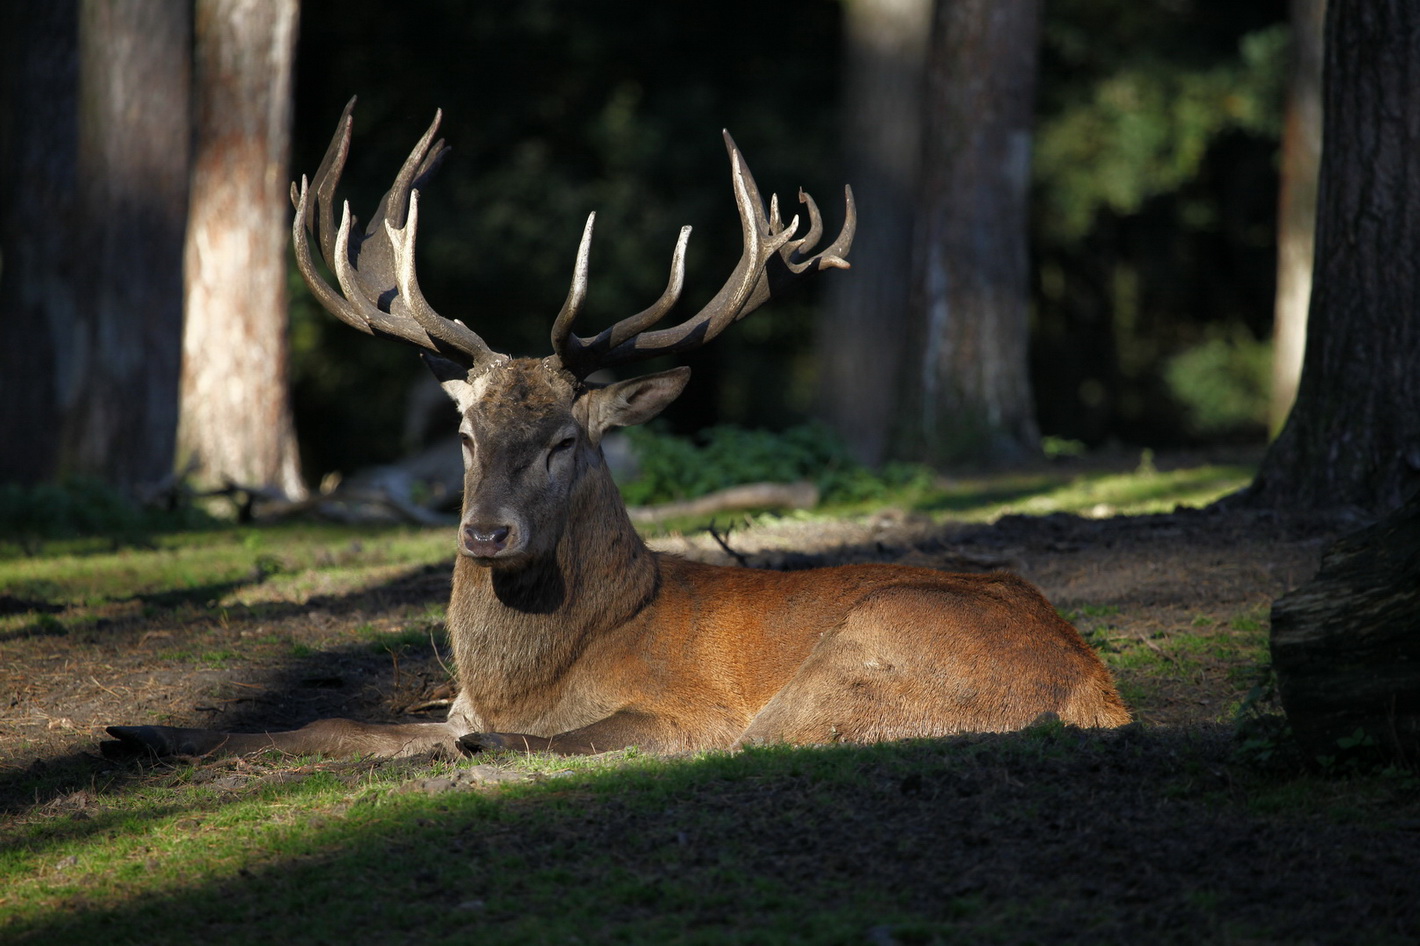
(1095, 494)
(1152, 662)
(213, 569)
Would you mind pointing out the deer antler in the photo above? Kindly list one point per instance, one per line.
(379, 292)
(770, 264)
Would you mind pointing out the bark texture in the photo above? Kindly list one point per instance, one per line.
(971, 396)
(118, 392)
(236, 420)
(1346, 645)
(38, 66)
(1353, 438)
(863, 332)
(1296, 205)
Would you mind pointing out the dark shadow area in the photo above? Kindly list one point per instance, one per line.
(167, 600)
(1053, 835)
(9, 604)
(282, 691)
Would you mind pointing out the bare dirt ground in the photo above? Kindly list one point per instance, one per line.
(1203, 858)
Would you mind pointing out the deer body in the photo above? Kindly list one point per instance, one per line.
(856, 653)
(599, 643)
(570, 635)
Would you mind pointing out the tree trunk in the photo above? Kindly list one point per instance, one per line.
(1353, 438)
(971, 397)
(1346, 646)
(38, 65)
(119, 393)
(236, 420)
(1296, 205)
(862, 334)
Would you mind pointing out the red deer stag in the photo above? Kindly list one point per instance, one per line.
(568, 633)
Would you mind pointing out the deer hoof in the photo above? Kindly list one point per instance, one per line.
(130, 741)
(482, 742)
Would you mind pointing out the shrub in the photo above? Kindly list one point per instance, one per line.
(672, 467)
(1223, 384)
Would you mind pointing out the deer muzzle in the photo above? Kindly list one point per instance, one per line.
(484, 540)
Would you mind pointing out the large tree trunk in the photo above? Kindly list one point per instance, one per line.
(971, 397)
(1346, 646)
(1296, 205)
(39, 70)
(133, 146)
(236, 420)
(862, 335)
(1353, 438)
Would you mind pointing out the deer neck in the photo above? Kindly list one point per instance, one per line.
(517, 630)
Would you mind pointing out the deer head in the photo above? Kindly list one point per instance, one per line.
(531, 428)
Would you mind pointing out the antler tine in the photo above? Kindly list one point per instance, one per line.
(649, 316)
(582, 356)
(329, 299)
(811, 238)
(375, 271)
(380, 321)
(766, 267)
(332, 165)
(564, 343)
(424, 158)
(410, 300)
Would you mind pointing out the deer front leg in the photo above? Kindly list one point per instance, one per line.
(333, 737)
(617, 731)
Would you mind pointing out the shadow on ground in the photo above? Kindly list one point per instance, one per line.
(1054, 835)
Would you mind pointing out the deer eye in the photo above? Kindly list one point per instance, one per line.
(559, 448)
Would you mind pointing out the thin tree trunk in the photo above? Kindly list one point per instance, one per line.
(236, 420)
(1353, 438)
(863, 332)
(969, 376)
(1296, 212)
(133, 148)
(39, 72)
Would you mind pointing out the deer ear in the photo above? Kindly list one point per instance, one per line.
(634, 401)
(452, 376)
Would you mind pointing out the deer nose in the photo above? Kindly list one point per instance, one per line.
(482, 540)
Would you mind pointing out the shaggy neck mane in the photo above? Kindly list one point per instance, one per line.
(516, 630)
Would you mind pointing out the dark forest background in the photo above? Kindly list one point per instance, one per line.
(1074, 219)
(1154, 197)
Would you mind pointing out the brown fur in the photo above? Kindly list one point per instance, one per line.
(578, 638)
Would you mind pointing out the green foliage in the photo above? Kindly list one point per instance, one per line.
(672, 467)
(1223, 383)
(1144, 127)
(1154, 204)
(1059, 448)
(80, 508)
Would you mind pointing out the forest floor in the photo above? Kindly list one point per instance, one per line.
(1160, 831)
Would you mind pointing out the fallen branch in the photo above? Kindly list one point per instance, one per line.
(802, 495)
